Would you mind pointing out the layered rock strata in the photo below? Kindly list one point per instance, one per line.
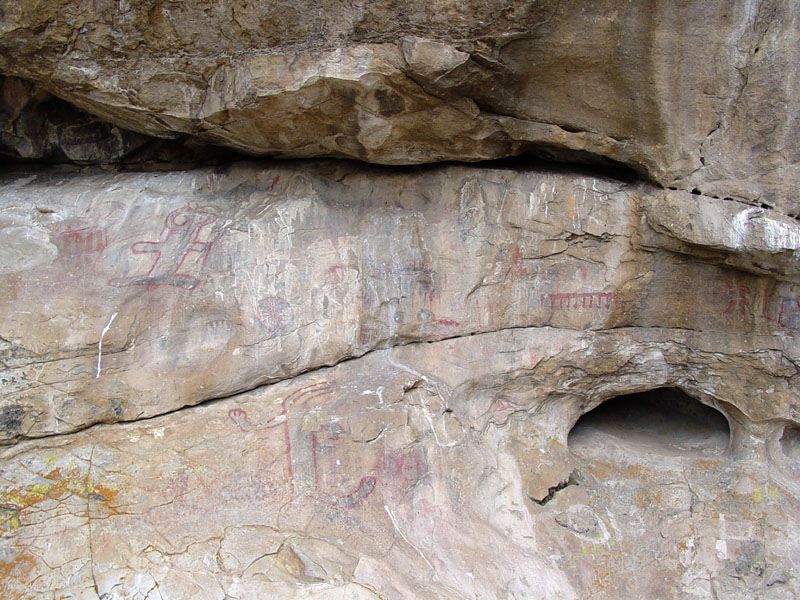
(570, 374)
(476, 315)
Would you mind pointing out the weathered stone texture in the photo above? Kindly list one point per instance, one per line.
(690, 94)
(327, 379)
(197, 285)
(39, 129)
(410, 473)
(36, 126)
(490, 309)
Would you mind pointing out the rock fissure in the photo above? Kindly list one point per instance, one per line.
(553, 490)
(630, 361)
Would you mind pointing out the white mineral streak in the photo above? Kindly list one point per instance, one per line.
(752, 229)
(100, 342)
(740, 226)
(781, 236)
(393, 519)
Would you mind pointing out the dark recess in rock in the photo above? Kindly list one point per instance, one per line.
(37, 128)
(660, 421)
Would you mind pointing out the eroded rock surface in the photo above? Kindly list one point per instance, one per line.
(37, 126)
(38, 129)
(476, 314)
(325, 379)
(403, 474)
(695, 95)
(197, 285)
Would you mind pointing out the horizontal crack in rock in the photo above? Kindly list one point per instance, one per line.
(20, 439)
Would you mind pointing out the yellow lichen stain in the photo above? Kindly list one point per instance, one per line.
(9, 518)
(765, 493)
(59, 485)
(599, 547)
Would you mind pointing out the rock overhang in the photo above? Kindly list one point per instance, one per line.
(561, 80)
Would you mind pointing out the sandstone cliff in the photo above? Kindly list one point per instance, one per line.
(571, 373)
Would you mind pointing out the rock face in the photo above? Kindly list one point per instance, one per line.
(198, 285)
(328, 379)
(489, 309)
(695, 95)
(38, 128)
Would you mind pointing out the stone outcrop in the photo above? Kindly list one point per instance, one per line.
(695, 95)
(460, 381)
(571, 374)
(37, 128)
(198, 285)
(415, 472)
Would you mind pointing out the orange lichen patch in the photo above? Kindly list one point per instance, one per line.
(607, 470)
(648, 496)
(608, 561)
(22, 563)
(706, 465)
(712, 513)
(58, 486)
(602, 470)
(643, 473)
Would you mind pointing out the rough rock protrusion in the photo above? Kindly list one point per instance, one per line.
(696, 95)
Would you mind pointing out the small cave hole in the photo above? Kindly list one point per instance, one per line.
(790, 442)
(663, 422)
(696, 192)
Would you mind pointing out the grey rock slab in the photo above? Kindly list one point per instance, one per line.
(131, 295)
(276, 492)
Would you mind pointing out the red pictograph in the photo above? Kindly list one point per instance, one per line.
(275, 314)
(580, 300)
(81, 246)
(789, 313)
(328, 473)
(737, 299)
(180, 237)
(322, 475)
